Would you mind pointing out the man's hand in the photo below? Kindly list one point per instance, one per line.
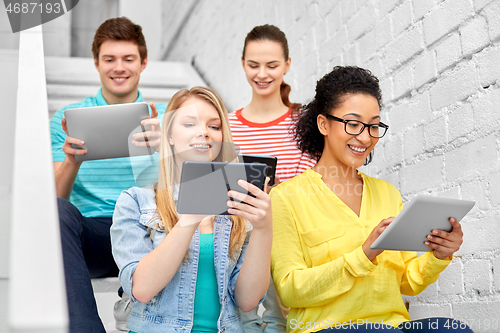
(149, 138)
(65, 172)
(68, 149)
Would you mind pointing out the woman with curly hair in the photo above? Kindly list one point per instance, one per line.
(326, 219)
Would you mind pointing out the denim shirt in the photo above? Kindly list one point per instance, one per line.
(172, 309)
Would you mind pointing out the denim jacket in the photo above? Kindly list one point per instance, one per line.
(172, 309)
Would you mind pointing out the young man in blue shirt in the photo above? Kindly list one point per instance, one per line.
(87, 191)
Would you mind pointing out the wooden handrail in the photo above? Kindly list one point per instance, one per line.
(37, 295)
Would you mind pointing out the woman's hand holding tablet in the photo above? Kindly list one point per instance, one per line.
(256, 209)
(424, 216)
(446, 243)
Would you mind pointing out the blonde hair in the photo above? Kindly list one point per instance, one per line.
(166, 178)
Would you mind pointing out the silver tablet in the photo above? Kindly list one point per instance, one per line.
(204, 185)
(107, 130)
(409, 230)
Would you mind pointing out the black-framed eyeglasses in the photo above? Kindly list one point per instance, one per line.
(356, 127)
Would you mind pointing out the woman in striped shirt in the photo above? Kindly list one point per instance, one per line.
(262, 127)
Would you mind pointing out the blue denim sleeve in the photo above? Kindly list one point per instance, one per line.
(237, 268)
(129, 240)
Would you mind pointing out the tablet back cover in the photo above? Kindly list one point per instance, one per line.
(408, 231)
(204, 185)
(107, 130)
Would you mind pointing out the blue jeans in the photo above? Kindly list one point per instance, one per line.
(428, 325)
(86, 248)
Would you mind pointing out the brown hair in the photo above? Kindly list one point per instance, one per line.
(120, 28)
(274, 34)
(166, 179)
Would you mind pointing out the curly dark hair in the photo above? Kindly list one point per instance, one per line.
(331, 91)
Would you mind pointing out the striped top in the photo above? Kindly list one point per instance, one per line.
(271, 139)
(99, 183)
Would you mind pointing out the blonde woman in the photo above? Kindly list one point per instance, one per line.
(187, 272)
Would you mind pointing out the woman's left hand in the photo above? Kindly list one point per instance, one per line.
(446, 243)
(257, 210)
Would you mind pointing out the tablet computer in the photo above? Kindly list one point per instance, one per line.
(409, 230)
(270, 161)
(107, 130)
(204, 185)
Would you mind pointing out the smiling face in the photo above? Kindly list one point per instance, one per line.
(119, 66)
(265, 65)
(342, 149)
(196, 132)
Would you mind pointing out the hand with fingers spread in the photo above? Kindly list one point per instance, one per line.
(446, 243)
(257, 210)
(150, 138)
(68, 149)
(371, 254)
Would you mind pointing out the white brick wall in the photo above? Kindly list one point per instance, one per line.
(496, 273)
(452, 281)
(438, 62)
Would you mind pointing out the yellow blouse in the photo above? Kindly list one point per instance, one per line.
(319, 268)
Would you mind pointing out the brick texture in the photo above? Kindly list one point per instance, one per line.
(496, 273)
(420, 311)
(468, 159)
(445, 18)
(439, 70)
(422, 7)
(493, 19)
(424, 68)
(487, 60)
(474, 35)
(460, 122)
(448, 52)
(477, 276)
(482, 317)
(457, 86)
(451, 280)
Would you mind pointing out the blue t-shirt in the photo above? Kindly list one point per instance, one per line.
(99, 183)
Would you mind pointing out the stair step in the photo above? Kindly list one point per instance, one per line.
(78, 92)
(159, 74)
(70, 80)
(60, 91)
